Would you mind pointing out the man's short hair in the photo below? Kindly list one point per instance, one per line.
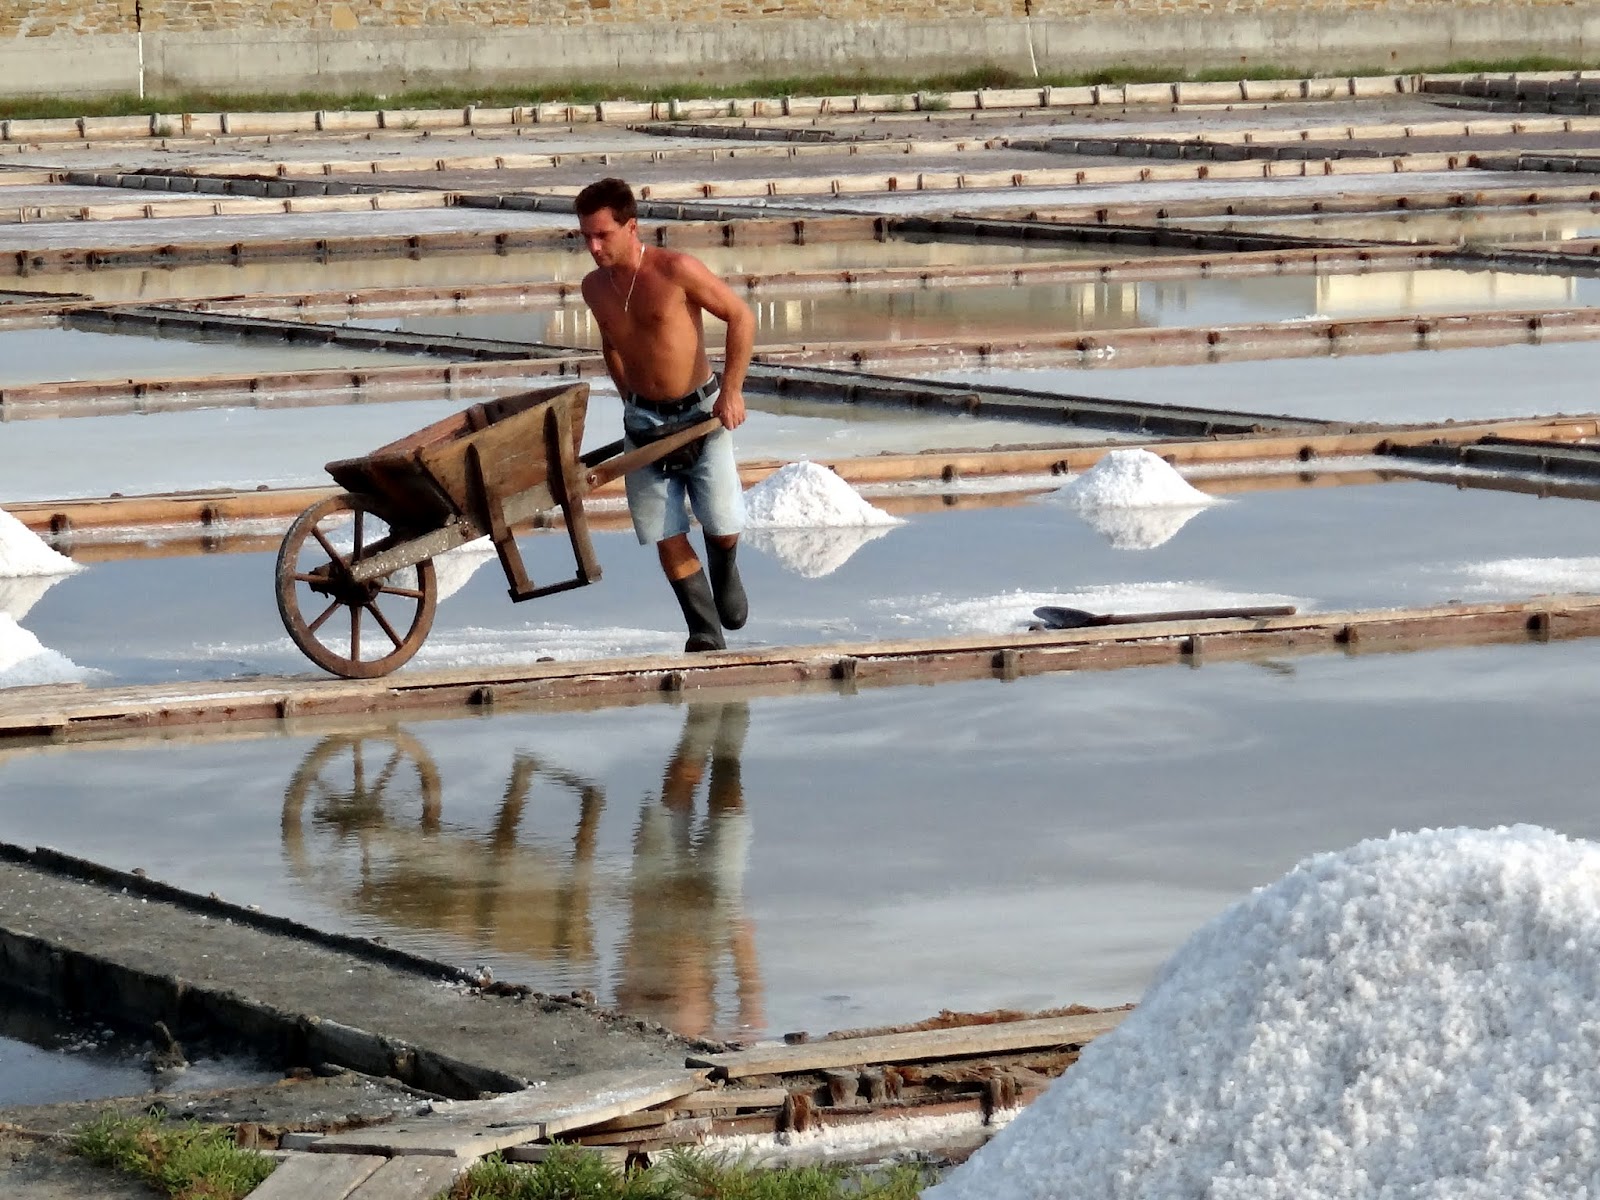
(608, 193)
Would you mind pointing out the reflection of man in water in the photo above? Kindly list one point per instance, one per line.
(688, 886)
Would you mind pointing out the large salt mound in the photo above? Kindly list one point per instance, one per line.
(22, 552)
(24, 661)
(1413, 1017)
(802, 495)
(1132, 479)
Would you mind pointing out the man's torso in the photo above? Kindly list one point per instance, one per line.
(658, 333)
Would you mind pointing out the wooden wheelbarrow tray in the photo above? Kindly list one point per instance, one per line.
(479, 472)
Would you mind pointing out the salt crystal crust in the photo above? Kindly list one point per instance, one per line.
(1415, 1017)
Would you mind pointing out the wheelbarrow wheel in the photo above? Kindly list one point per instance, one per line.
(360, 630)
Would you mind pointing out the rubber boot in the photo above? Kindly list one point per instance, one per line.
(700, 611)
(733, 606)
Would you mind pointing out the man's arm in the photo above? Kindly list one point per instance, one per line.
(614, 367)
(717, 298)
(614, 364)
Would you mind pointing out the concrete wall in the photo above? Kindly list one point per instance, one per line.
(388, 60)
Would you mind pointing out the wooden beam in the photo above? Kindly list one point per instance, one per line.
(928, 1045)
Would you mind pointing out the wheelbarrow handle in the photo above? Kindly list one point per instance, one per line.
(615, 468)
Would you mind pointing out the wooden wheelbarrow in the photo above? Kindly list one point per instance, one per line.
(355, 576)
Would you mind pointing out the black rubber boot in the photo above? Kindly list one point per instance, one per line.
(700, 611)
(733, 606)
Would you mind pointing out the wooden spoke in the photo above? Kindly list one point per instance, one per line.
(333, 554)
(383, 623)
(326, 613)
(355, 633)
(409, 593)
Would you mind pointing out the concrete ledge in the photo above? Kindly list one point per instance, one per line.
(729, 51)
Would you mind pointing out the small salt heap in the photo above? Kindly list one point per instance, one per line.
(1415, 1016)
(23, 661)
(24, 562)
(1134, 499)
(453, 568)
(23, 552)
(806, 495)
(811, 520)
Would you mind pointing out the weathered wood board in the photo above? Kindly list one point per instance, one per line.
(911, 1047)
(469, 1129)
(322, 1176)
(413, 1177)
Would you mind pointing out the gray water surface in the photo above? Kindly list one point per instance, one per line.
(824, 861)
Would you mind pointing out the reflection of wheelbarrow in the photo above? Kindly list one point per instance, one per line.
(368, 553)
(363, 829)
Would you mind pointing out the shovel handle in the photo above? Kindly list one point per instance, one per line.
(1195, 614)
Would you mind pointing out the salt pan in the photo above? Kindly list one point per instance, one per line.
(22, 552)
(23, 661)
(808, 495)
(1413, 1017)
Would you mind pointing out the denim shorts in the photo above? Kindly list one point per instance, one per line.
(659, 502)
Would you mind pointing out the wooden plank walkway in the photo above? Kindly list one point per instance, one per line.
(471, 1129)
(70, 712)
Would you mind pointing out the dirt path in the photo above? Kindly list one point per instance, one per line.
(34, 1170)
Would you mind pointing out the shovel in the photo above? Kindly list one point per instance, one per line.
(1053, 617)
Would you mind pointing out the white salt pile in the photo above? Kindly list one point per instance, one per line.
(1413, 1017)
(1134, 499)
(806, 495)
(1132, 479)
(19, 595)
(22, 552)
(23, 661)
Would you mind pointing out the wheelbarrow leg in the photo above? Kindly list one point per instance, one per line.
(561, 469)
(566, 476)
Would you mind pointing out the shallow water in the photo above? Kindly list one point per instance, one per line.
(946, 570)
(245, 447)
(827, 861)
(1044, 310)
(525, 266)
(46, 1059)
(1545, 223)
(1473, 384)
(58, 355)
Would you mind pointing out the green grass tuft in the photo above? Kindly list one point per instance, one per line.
(187, 1162)
(986, 76)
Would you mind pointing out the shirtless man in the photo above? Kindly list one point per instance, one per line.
(650, 303)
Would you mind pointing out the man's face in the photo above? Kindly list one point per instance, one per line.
(610, 244)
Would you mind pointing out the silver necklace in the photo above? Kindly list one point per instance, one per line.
(628, 299)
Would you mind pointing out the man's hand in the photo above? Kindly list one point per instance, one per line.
(729, 408)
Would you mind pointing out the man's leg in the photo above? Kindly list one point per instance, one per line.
(733, 606)
(718, 500)
(693, 589)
